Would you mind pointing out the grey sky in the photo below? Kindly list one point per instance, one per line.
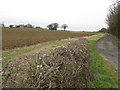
(78, 14)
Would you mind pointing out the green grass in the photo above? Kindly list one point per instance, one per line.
(115, 41)
(104, 72)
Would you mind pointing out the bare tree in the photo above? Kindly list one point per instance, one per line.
(64, 26)
(50, 26)
(11, 26)
(2, 24)
(56, 25)
(53, 26)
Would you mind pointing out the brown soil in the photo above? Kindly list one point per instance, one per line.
(21, 37)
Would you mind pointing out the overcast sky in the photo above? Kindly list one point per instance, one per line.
(77, 14)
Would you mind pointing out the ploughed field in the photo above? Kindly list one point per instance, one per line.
(21, 37)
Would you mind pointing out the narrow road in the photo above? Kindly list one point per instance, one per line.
(107, 50)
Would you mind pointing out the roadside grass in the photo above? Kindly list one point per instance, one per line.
(105, 74)
(115, 41)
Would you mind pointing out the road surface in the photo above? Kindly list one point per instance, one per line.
(107, 50)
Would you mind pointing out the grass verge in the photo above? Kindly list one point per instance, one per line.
(115, 41)
(104, 72)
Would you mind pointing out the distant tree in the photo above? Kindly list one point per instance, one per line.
(11, 26)
(50, 26)
(56, 25)
(17, 26)
(104, 30)
(53, 26)
(29, 26)
(37, 27)
(64, 26)
(2, 25)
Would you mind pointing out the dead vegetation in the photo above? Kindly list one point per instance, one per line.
(62, 67)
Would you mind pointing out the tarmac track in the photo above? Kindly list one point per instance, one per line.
(108, 51)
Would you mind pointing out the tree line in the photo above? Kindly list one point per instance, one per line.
(52, 26)
(113, 19)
